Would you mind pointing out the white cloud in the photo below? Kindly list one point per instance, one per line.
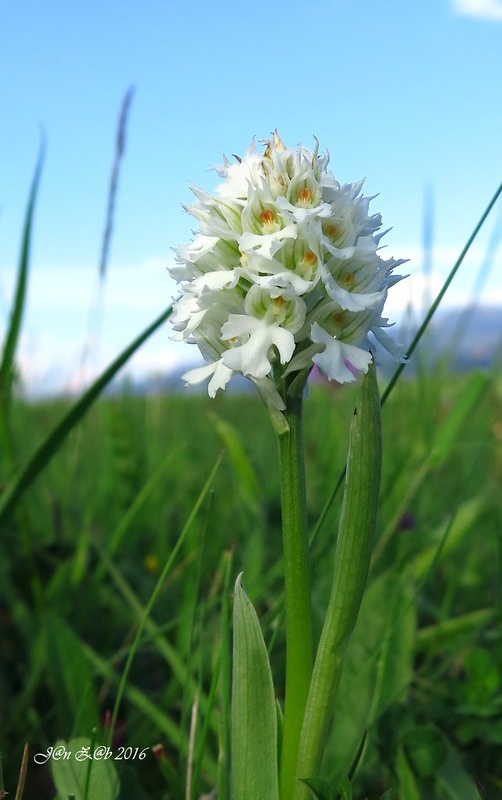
(483, 9)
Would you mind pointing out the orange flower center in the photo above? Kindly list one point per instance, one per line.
(348, 279)
(338, 319)
(267, 216)
(310, 258)
(331, 230)
(305, 195)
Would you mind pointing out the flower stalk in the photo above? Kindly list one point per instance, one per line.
(299, 648)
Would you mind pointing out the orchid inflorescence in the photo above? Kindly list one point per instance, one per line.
(284, 273)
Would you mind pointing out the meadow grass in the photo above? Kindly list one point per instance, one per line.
(71, 612)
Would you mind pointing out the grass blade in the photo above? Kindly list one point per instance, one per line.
(53, 441)
(112, 190)
(14, 329)
(225, 682)
(22, 774)
(432, 310)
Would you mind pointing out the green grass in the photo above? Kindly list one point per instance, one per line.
(70, 612)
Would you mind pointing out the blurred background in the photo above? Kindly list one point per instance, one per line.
(404, 95)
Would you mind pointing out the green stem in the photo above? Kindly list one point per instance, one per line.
(299, 652)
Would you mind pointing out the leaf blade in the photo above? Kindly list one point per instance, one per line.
(254, 773)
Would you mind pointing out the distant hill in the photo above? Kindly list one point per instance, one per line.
(468, 338)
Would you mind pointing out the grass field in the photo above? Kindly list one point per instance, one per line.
(85, 547)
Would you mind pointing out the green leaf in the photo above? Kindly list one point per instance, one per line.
(453, 778)
(378, 665)
(86, 779)
(408, 785)
(345, 788)
(321, 790)
(71, 678)
(393, 594)
(254, 774)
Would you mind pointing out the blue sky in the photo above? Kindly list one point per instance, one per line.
(406, 95)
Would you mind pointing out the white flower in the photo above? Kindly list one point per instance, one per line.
(251, 356)
(284, 273)
(339, 361)
(217, 369)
